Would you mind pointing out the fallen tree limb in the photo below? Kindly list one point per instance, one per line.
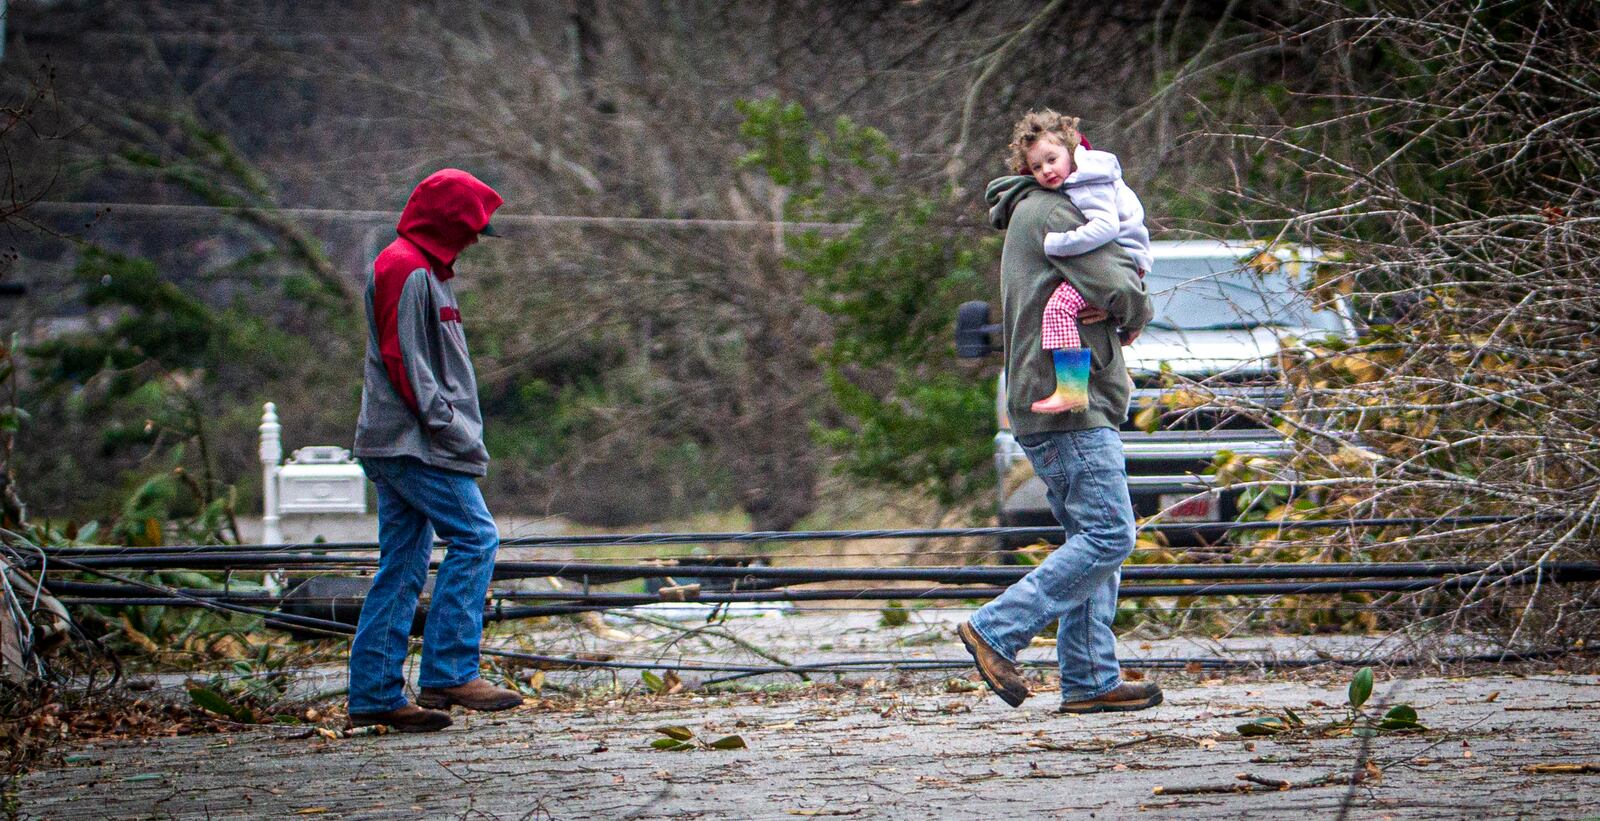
(1563, 769)
(1248, 783)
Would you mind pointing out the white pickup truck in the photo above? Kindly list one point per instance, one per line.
(1223, 311)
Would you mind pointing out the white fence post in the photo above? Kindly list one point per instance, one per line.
(271, 455)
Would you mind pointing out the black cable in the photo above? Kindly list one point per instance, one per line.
(600, 573)
(634, 539)
(748, 670)
(1255, 664)
(582, 602)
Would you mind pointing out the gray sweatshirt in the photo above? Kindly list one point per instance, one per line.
(419, 394)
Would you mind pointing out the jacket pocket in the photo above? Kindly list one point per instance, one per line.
(459, 438)
(1102, 346)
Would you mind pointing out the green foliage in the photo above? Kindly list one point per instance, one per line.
(930, 435)
(1360, 688)
(165, 505)
(679, 739)
(157, 379)
(793, 152)
(157, 323)
(1399, 718)
(250, 688)
(894, 614)
(540, 420)
(890, 285)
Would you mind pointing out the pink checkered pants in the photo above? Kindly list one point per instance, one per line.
(1060, 325)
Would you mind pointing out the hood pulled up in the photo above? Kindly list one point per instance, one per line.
(445, 213)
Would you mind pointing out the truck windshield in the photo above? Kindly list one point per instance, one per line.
(1221, 293)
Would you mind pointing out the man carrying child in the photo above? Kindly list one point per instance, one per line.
(1077, 453)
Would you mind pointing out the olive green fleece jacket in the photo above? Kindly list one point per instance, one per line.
(1106, 277)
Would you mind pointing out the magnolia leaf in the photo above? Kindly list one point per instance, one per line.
(1360, 688)
(1401, 712)
(212, 701)
(675, 731)
(1396, 725)
(652, 681)
(666, 744)
(1293, 719)
(1270, 725)
(731, 742)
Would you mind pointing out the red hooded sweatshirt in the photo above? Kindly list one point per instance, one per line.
(420, 395)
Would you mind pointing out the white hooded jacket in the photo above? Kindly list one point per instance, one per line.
(1111, 210)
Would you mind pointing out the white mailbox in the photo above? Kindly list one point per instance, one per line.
(322, 479)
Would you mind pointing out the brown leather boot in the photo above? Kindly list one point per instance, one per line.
(1126, 698)
(476, 694)
(407, 719)
(999, 672)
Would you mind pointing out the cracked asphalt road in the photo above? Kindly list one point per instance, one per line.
(881, 747)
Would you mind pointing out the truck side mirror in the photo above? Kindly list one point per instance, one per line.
(975, 334)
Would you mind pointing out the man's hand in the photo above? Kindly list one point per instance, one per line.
(1090, 315)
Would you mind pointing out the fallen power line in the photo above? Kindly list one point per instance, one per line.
(605, 573)
(764, 536)
(329, 627)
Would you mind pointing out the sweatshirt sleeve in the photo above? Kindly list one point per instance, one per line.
(1098, 202)
(1105, 276)
(413, 315)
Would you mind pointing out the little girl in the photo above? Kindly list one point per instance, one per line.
(1093, 181)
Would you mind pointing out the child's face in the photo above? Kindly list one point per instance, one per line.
(1050, 162)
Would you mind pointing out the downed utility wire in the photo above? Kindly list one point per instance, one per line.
(579, 602)
(333, 628)
(636, 539)
(124, 594)
(603, 573)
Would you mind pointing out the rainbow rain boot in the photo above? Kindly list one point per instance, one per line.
(1072, 382)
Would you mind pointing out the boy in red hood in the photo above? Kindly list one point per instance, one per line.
(420, 440)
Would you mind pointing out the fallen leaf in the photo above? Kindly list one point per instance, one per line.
(676, 732)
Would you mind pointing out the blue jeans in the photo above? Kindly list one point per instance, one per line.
(414, 500)
(1087, 484)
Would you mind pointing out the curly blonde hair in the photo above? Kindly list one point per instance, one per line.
(1035, 126)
